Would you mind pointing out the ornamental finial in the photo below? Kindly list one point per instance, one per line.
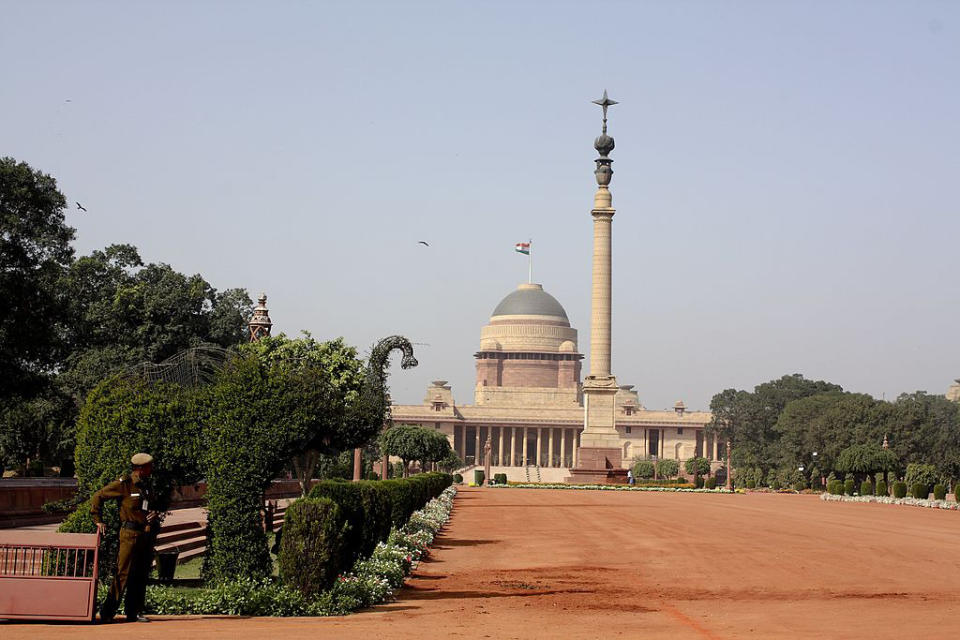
(604, 145)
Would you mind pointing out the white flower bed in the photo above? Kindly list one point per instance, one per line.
(912, 502)
(374, 579)
(605, 487)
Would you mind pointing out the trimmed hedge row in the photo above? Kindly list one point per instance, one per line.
(371, 507)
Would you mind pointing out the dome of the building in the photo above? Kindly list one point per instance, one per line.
(530, 300)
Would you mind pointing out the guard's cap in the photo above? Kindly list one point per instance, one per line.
(141, 459)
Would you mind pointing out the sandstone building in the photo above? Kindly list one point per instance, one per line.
(528, 400)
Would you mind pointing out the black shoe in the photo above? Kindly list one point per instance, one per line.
(105, 619)
(138, 619)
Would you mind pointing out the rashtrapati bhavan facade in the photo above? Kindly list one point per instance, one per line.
(528, 400)
(542, 420)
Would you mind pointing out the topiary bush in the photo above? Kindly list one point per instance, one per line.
(848, 486)
(835, 487)
(500, 478)
(866, 488)
(956, 491)
(667, 468)
(643, 469)
(919, 490)
(711, 483)
(311, 549)
(882, 489)
(457, 478)
(939, 492)
(899, 489)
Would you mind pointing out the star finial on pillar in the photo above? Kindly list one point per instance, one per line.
(605, 102)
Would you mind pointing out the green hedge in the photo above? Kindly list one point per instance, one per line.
(939, 492)
(711, 483)
(920, 490)
(956, 490)
(457, 478)
(371, 508)
(882, 489)
(899, 489)
(866, 488)
(848, 486)
(314, 532)
(835, 487)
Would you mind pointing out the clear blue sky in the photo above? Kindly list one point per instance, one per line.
(787, 175)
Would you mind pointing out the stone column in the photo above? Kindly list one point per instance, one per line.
(575, 448)
(357, 464)
(563, 447)
(663, 433)
(524, 461)
(500, 446)
(539, 446)
(600, 301)
(477, 450)
(513, 446)
(716, 448)
(550, 448)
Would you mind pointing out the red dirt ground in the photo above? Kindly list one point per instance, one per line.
(516, 563)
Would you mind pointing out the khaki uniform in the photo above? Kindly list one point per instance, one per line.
(134, 556)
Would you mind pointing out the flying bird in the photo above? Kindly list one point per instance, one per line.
(80, 206)
(423, 243)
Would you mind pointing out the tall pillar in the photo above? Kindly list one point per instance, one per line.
(716, 448)
(513, 446)
(599, 453)
(563, 447)
(477, 451)
(550, 447)
(539, 446)
(576, 447)
(525, 459)
(500, 446)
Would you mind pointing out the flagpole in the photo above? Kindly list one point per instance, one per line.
(530, 263)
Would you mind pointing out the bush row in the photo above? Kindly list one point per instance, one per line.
(340, 522)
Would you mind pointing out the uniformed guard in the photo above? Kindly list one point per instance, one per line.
(134, 555)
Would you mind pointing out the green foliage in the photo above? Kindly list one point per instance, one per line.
(371, 508)
(711, 483)
(866, 459)
(34, 251)
(939, 492)
(697, 466)
(899, 489)
(799, 485)
(500, 478)
(411, 442)
(835, 487)
(882, 489)
(267, 408)
(956, 491)
(667, 468)
(848, 486)
(457, 478)
(925, 474)
(866, 488)
(919, 490)
(314, 533)
(643, 469)
(750, 477)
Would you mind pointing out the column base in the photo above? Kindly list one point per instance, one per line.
(598, 465)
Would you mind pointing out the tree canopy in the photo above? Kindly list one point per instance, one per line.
(412, 442)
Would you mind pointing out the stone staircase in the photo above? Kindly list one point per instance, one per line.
(190, 538)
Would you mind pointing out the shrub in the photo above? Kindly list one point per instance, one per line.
(698, 482)
(866, 488)
(919, 490)
(848, 486)
(939, 492)
(751, 483)
(775, 484)
(882, 489)
(925, 474)
(500, 478)
(799, 485)
(668, 468)
(711, 483)
(311, 549)
(643, 469)
(956, 491)
(899, 489)
(457, 478)
(835, 487)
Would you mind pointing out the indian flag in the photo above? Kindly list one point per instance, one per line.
(523, 247)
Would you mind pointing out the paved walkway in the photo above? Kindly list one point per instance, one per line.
(584, 564)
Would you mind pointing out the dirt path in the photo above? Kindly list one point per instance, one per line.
(581, 564)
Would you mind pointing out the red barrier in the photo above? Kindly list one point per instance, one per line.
(48, 576)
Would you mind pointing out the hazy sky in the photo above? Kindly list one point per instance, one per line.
(787, 174)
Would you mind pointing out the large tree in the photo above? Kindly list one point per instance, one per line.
(412, 442)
